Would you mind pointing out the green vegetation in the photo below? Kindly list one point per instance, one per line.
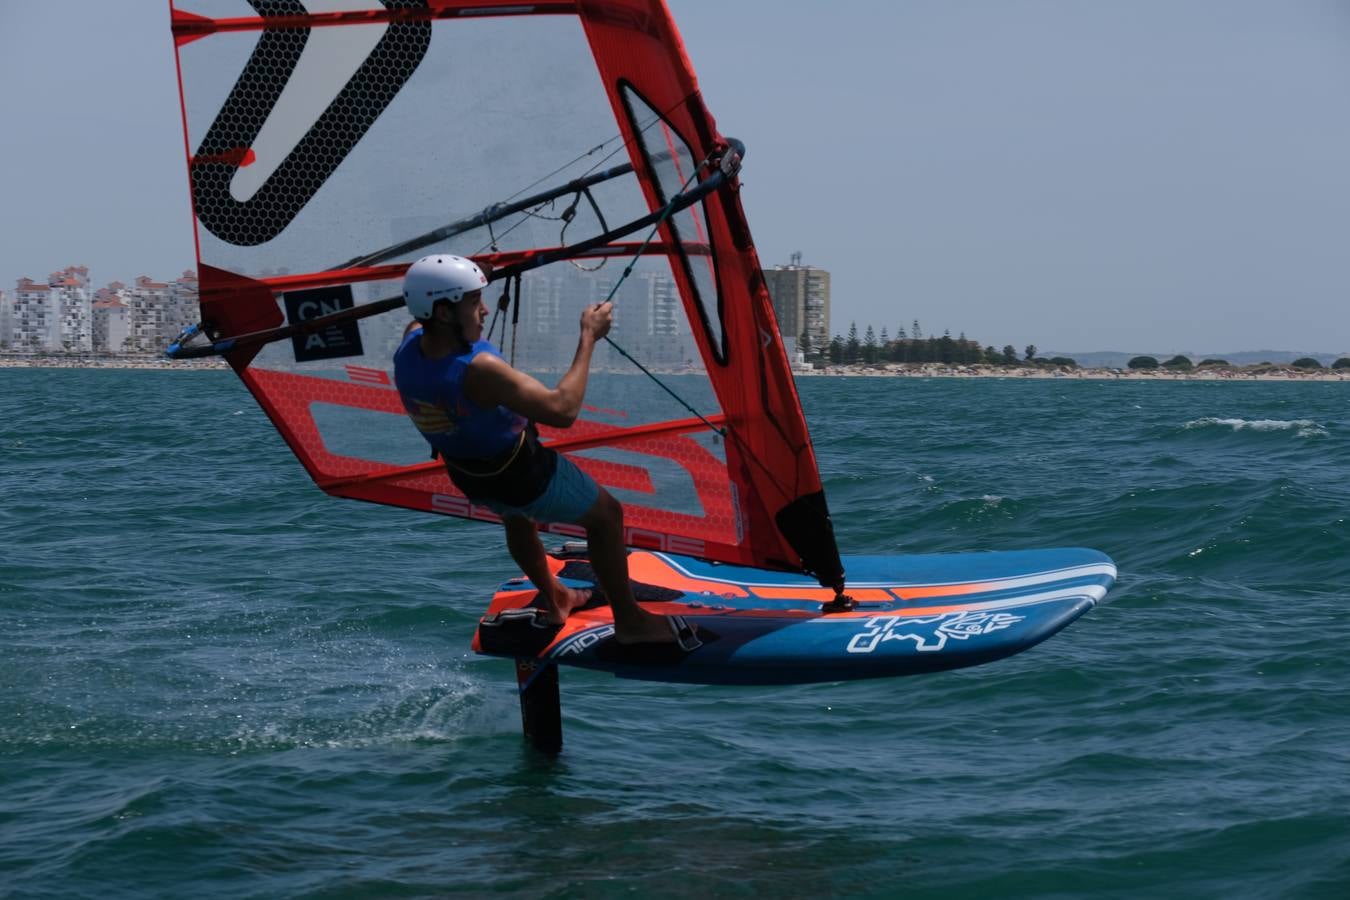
(1179, 362)
(869, 349)
(866, 346)
(869, 346)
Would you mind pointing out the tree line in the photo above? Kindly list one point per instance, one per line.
(1184, 364)
(911, 346)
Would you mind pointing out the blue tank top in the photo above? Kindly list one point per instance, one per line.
(432, 391)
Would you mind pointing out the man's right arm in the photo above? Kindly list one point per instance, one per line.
(491, 381)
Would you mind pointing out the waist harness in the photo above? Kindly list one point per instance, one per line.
(516, 477)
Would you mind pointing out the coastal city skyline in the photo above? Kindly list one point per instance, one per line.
(1009, 169)
(65, 314)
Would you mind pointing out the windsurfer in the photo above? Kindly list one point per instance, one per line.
(478, 414)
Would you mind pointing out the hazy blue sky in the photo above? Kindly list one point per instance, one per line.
(1162, 175)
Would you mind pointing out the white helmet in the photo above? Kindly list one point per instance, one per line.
(440, 277)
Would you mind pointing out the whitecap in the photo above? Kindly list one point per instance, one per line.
(1303, 427)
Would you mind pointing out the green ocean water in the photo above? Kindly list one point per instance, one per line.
(216, 681)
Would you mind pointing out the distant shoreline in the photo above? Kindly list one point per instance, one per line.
(889, 370)
(1209, 373)
(104, 361)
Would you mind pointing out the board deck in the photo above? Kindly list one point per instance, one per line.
(914, 614)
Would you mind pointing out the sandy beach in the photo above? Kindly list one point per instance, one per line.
(888, 370)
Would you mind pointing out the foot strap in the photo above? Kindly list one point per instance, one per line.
(684, 634)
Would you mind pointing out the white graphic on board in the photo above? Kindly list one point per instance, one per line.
(580, 643)
(951, 626)
(329, 60)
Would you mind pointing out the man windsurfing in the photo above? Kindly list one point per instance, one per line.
(478, 414)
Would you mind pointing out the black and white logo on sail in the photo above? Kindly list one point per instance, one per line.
(303, 101)
(331, 341)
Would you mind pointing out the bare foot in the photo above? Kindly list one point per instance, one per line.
(648, 629)
(565, 601)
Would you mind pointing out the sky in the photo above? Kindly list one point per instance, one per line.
(1136, 175)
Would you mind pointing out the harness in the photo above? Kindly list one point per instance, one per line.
(517, 477)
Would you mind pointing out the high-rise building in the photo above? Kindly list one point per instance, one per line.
(110, 325)
(55, 316)
(65, 315)
(73, 303)
(801, 302)
(180, 310)
(148, 301)
(535, 340)
(663, 334)
(112, 321)
(33, 316)
(648, 320)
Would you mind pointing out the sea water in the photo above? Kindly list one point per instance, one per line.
(216, 681)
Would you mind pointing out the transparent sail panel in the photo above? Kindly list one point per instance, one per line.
(677, 170)
(360, 146)
(392, 152)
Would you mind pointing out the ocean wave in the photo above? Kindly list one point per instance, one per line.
(1302, 427)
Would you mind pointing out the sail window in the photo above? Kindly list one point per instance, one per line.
(675, 169)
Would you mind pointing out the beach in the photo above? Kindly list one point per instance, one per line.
(938, 370)
(892, 370)
(104, 361)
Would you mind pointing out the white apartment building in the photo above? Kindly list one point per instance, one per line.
(33, 316)
(148, 301)
(183, 309)
(63, 315)
(52, 317)
(112, 324)
(74, 309)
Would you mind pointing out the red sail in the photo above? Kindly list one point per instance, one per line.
(329, 147)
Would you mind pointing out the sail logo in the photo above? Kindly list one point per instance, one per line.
(640, 539)
(332, 341)
(451, 505)
(960, 626)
